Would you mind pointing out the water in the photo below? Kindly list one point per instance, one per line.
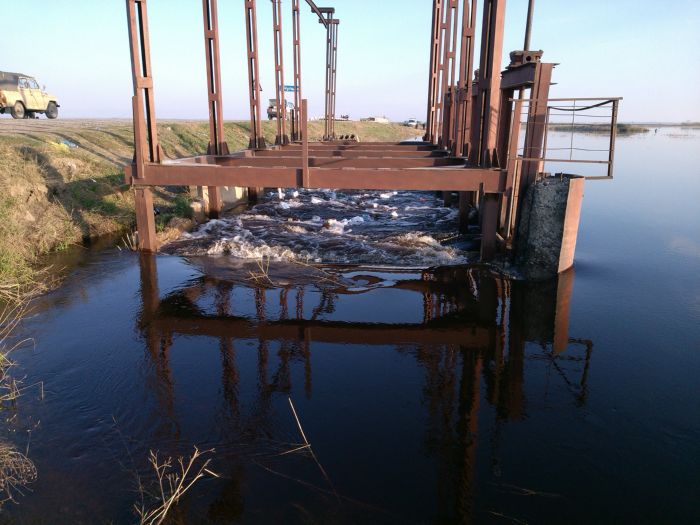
(431, 391)
(326, 226)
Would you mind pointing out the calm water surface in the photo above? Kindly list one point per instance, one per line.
(436, 394)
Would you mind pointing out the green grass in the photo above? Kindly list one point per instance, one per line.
(55, 197)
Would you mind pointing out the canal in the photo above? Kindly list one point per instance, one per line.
(431, 389)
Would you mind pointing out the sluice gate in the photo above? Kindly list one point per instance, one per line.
(485, 135)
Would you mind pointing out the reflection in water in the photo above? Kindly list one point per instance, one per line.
(469, 341)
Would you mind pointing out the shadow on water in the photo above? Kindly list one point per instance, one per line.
(468, 342)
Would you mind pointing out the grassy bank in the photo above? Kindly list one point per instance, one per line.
(63, 184)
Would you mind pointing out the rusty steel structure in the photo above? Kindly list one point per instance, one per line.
(472, 144)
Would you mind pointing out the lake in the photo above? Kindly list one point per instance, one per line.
(429, 389)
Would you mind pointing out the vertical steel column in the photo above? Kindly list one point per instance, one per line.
(463, 102)
(304, 143)
(536, 120)
(217, 143)
(534, 139)
(146, 147)
(613, 136)
(450, 86)
(334, 69)
(326, 102)
(296, 40)
(433, 80)
(464, 80)
(484, 133)
(257, 140)
(331, 57)
(448, 40)
(483, 141)
(282, 137)
(512, 172)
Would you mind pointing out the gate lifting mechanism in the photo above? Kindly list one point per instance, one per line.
(472, 138)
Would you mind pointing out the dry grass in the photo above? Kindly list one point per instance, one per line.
(16, 472)
(261, 276)
(174, 478)
(16, 469)
(10, 316)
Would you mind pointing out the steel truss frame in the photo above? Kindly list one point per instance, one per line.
(470, 142)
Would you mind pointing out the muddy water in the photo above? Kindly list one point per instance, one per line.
(431, 391)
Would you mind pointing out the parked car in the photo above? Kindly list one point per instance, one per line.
(21, 96)
(411, 123)
(272, 109)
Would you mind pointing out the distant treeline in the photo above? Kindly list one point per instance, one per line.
(622, 129)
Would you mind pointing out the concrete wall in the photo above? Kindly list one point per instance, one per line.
(230, 195)
(548, 227)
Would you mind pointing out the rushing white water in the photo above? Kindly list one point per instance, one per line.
(325, 226)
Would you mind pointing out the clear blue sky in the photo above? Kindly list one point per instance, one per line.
(643, 50)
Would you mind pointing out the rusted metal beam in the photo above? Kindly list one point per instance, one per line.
(296, 161)
(305, 143)
(353, 154)
(433, 77)
(519, 77)
(296, 51)
(440, 179)
(282, 137)
(512, 166)
(319, 13)
(334, 76)
(146, 147)
(489, 224)
(447, 69)
(536, 128)
(464, 80)
(486, 108)
(145, 132)
(362, 146)
(572, 217)
(145, 219)
(257, 140)
(331, 69)
(217, 142)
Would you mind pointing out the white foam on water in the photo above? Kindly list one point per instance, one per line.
(335, 227)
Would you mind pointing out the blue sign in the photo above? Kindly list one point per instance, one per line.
(290, 88)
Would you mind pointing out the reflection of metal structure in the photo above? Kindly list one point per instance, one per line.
(474, 344)
(471, 142)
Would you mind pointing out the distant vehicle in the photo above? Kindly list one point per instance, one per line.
(272, 109)
(344, 117)
(21, 96)
(378, 120)
(411, 123)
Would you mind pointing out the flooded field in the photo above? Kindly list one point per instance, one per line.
(430, 390)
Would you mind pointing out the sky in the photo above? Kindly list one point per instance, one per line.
(642, 50)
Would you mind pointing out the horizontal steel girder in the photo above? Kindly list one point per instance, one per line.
(318, 161)
(440, 179)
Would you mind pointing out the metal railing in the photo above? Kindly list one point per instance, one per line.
(595, 116)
